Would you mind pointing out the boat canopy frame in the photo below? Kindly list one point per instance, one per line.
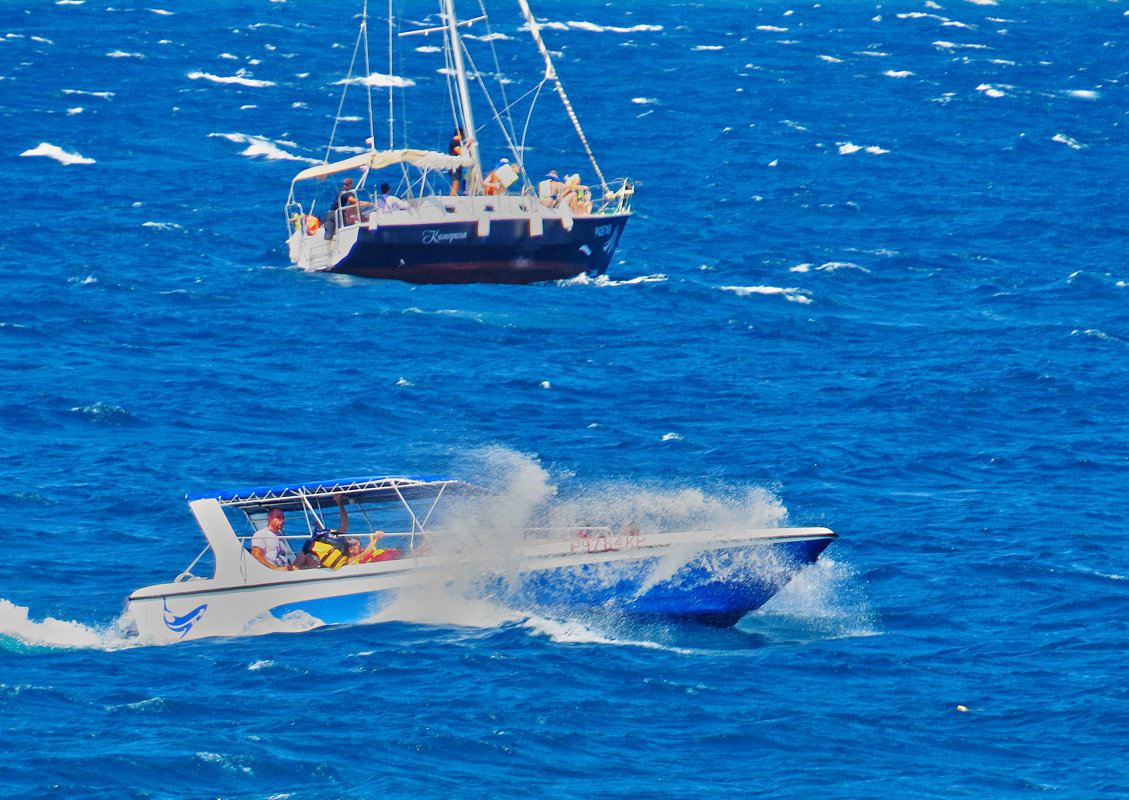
(313, 498)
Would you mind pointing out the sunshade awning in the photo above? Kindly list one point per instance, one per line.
(378, 159)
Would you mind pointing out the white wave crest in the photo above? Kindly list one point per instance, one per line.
(605, 281)
(835, 266)
(238, 78)
(792, 295)
(103, 95)
(261, 146)
(378, 80)
(955, 46)
(593, 27)
(57, 153)
(123, 54)
(16, 625)
(846, 148)
(1083, 94)
(1062, 138)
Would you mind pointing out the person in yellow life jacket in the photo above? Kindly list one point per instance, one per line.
(326, 547)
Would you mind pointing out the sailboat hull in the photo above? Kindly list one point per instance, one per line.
(505, 251)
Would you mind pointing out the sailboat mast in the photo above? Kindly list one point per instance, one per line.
(464, 94)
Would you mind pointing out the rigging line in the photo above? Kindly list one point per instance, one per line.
(498, 74)
(344, 91)
(532, 104)
(391, 101)
(368, 81)
(551, 72)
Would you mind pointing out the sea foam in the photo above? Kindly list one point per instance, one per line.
(261, 146)
(238, 78)
(791, 294)
(57, 153)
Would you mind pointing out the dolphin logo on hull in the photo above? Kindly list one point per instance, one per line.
(183, 624)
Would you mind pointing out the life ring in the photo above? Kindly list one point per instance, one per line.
(312, 224)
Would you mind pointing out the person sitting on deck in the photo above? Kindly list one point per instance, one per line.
(270, 549)
(578, 196)
(370, 553)
(388, 201)
(550, 188)
(499, 178)
(327, 545)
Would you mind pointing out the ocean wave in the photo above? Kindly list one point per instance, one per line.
(594, 28)
(1062, 138)
(846, 148)
(605, 281)
(123, 54)
(261, 146)
(19, 632)
(991, 91)
(378, 80)
(955, 46)
(238, 78)
(59, 154)
(835, 266)
(792, 295)
(103, 95)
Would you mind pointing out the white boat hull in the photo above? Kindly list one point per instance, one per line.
(708, 577)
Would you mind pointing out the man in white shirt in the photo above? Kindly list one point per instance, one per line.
(388, 201)
(268, 546)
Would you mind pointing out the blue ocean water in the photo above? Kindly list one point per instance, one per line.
(876, 281)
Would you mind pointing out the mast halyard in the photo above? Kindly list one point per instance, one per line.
(475, 180)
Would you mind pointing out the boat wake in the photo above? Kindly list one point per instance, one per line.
(19, 633)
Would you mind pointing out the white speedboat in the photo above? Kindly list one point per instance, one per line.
(709, 577)
(446, 219)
